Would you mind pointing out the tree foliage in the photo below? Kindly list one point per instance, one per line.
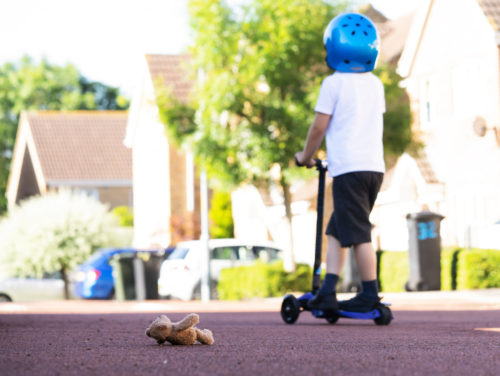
(54, 232)
(261, 65)
(27, 85)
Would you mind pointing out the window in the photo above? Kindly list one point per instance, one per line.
(224, 253)
(178, 253)
(266, 254)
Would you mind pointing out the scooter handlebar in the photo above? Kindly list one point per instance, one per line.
(320, 164)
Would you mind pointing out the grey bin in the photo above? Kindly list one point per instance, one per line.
(136, 275)
(424, 251)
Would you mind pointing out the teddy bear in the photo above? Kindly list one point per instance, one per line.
(183, 332)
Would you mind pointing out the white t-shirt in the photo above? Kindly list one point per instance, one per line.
(354, 136)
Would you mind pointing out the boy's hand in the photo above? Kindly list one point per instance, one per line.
(299, 158)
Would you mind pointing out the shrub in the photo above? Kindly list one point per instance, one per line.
(53, 232)
(221, 216)
(262, 280)
(125, 216)
(449, 263)
(478, 269)
(393, 271)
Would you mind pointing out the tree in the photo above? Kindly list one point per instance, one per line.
(54, 232)
(221, 216)
(261, 67)
(26, 85)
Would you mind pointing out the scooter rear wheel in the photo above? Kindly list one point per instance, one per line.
(333, 318)
(290, 309)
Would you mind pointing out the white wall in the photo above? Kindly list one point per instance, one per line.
(150, 161)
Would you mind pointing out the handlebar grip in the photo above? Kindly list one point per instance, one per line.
(298, 163)
(319, 164)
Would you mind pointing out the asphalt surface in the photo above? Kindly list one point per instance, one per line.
(432, 333)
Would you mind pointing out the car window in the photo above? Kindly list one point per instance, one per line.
(53, 275)
(224, 253)
(266, 254)
(178, 253)
(245, 254)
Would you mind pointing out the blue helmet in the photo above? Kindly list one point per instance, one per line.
(351, 43)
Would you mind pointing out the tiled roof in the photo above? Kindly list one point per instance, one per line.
(393, 35)
(424, 167)
(81, 145)
(491, 9)
(172, 70)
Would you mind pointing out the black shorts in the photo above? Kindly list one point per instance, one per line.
(354, 194)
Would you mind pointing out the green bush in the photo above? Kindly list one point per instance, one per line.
(478, 269)
(221, 216)
(460, 269)
(449, 262)
(393, 271)
(262, 280)
(125, 215)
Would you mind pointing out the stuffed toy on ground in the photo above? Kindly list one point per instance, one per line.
(183, 332)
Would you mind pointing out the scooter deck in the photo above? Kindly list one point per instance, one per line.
(318, 313)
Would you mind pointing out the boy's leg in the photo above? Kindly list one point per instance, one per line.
(326, 298)
(335, 256)
(366, 260)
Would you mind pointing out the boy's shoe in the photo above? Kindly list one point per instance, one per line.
(326, 302)
(360, 303)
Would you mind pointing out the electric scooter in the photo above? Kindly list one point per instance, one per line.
(291, 307)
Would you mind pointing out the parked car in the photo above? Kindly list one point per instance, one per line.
(94, 278)
(180, 274)
(49, 287)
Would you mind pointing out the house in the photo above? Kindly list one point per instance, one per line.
(450, 66)
(166, 186)
(80, 150)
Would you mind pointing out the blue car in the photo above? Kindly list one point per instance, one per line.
(94, 278)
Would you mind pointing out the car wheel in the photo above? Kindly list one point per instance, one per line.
(4, 298)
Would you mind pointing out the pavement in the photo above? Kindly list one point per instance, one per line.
(445, 333)
(419, 301)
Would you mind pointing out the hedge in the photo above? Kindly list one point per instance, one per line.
(478, 269)
(460, 269)
(393, 271)
(262, 280)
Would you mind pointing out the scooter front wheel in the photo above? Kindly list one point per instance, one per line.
(385, 317)
(290, 309)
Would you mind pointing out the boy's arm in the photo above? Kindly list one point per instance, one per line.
(314, 138)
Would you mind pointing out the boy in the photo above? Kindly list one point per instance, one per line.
(349, 112)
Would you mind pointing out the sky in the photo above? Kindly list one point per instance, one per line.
(107, 39)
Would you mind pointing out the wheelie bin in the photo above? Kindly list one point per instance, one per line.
(424, 251)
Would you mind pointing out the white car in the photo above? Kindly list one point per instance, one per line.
(180, 274)
(50, 287)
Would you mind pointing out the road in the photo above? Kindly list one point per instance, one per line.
(432, 333)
